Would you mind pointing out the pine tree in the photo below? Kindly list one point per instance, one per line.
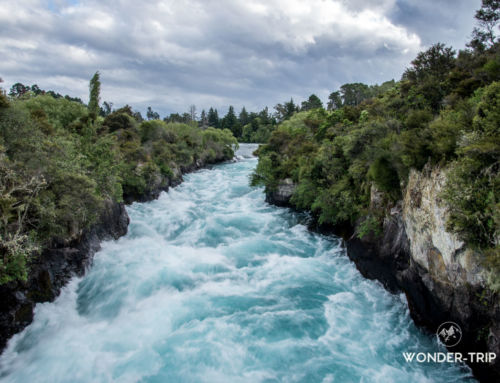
(203, 119)
(213, 118)
(244, 117)
(230, 121)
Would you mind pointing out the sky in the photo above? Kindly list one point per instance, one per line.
(170, 54)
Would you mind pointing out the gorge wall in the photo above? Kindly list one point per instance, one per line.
(54, 267)
(442, 278)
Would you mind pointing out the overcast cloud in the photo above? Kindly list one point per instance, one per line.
(170, 54)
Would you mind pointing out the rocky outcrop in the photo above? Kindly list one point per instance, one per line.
(54, 267)
(280, 196)
(442, 278)
(435, 249)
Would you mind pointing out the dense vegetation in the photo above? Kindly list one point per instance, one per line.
(445, 111)
(61, 162)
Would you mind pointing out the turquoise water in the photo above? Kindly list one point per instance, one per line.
(212, 284)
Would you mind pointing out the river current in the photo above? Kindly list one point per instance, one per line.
(212, 284)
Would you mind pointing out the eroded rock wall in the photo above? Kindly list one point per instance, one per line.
(442, 278)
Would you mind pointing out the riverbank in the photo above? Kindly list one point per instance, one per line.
(55, 266)
(213, 284)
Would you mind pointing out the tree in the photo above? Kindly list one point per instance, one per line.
(107, 108)
(203, 119)
(95, 90)
(243, 117)
(213, 118)
(437, 61)
(53, 94)
(230, 121)
(173, 117)
(138, 116)
(36, 90)
(487, 17)
(3, 99)
(286, 110)
(312, 103)
(151, 114)
(192, 113)
(355, 93)
(427, 79)
(69, 98)
(18, 89)
(265, 117)
(334, 101)
(18, 191)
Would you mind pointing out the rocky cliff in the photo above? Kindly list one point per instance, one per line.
(53, 268)
(442, 278)
(282, 194)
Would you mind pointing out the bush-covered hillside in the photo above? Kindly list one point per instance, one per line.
(445, 111)
(60, 162)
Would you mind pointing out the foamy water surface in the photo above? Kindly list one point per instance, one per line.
(212, 284)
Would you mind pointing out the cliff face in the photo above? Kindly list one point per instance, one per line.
(282, 194)
(438, 251)
(53, 268)
(442, 278)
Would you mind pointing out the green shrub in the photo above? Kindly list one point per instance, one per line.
(385, 176)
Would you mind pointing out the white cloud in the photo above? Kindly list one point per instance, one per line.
(170, 54)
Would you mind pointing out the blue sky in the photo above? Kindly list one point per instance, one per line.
(170, 54)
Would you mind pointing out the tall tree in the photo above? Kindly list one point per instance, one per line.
(95, 90)
(174, 117)
(334, 101)
(487, 17)
(203, 119)
(355, 93)
(151, 114)
(230, 121)
(244, 117)
(428, 75)
(213, 118)
(138, 116)
(106, 109)
(36, 90)
(3, 98)
(286, 110)
(437, 61)
(313, 102)
(265, 117)
(192, 113)
(18, 89)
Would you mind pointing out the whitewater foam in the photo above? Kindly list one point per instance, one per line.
(211, 284)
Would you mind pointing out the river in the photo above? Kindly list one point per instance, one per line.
(212, 284)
